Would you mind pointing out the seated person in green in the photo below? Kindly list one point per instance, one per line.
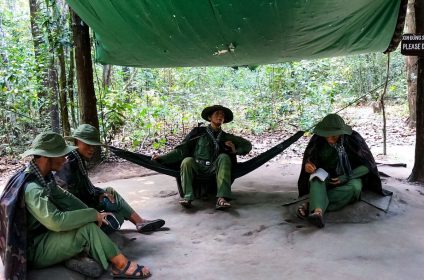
(74, 178)
(59, 225)
(342, 153)
(208, 152)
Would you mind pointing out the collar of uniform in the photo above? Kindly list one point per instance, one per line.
(80, 162)
(33, 168)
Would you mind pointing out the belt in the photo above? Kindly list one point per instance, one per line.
(203, 162)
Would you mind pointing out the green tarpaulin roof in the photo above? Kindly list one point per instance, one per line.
(170, 33)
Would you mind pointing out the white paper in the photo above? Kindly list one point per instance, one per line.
(320, 174)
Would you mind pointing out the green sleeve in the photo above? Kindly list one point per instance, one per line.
(359, 172)
(66, 200)
(178, 154)
(243, 146)
(39, 204)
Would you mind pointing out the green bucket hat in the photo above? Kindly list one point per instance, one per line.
(49, 144)
(208, 111)
(332, 125)
(87, 134)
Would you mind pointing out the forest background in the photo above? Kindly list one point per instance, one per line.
(145, 109)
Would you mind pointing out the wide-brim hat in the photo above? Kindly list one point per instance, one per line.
(332, 125)
(49, 144)
(87, 134)
(208, 111)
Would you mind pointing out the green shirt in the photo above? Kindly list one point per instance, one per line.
(203, 148)
(55, 209)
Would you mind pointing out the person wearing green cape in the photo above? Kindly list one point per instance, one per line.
(74, 177)
(56, 225)
(337, 165)
(208, 151)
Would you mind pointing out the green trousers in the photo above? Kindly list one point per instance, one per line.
(221, 167)
(54, 247)
(124, 209)
(333, 199)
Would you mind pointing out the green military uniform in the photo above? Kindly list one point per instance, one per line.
(74, 178)
(343, 153)
(74, 174)
(60, 226)
(204, 152)
(202, 159)
(335, 198)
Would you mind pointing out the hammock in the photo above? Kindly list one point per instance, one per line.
(239, 170)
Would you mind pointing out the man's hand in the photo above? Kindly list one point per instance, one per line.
(231, 145)
(101, 218)
(338, 181)
(310, 167)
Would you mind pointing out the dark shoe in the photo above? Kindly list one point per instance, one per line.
(316, 219)
(147, 225)
(185, 203)
(85, 265)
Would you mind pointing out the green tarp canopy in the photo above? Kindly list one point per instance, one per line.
(172, 33)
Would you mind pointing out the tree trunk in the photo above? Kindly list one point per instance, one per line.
(86, 94)
(107, 71)
(54, 94)
(70, 81)
(39, 44)
(66, 128)
(411, 66)
(417, 174)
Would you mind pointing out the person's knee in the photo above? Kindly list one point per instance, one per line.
(357, 189)
(87, 229)
(316, 183)
(223, 159)
(187, 162)
(110, 190)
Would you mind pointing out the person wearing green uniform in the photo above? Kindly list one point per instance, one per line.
(73, 176)
(59, 225)
(337, 165)
(208, 151)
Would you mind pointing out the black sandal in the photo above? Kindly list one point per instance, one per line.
(317, 219)
(121, 273)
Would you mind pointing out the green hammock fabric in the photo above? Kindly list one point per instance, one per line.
(172, 33)
(239, 170)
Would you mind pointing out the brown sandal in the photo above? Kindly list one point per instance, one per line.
(185, 203)
(302, 211)
(221, 203)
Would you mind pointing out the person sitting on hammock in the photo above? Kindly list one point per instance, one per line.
(337, 164)
(74, 177)
(49, 225)
(207, 152)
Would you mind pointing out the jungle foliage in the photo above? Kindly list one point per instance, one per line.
(143, 106)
